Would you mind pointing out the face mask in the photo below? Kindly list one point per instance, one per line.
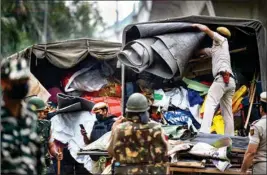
(18, 91)
(99, 117)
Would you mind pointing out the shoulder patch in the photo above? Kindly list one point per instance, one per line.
(251, 132)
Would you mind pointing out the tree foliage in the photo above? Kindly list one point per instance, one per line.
(22, 22)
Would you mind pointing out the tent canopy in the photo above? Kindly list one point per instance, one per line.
(245, 32)
(52, 61)
(67, 54)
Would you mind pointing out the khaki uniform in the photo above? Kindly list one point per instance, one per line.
(218, 92)
(139, 148)
(257, 135)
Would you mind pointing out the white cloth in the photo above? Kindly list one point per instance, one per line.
(65, 128)
(219, 93)
(206, 150)
(101, 144)
(179, 98)
(195, 111)
(220, 54)
(180, 147)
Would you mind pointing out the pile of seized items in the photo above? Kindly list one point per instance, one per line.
(86, 72)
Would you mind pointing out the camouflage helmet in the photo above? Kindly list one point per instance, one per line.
(37, 102)
(14, 69)
(137, 103)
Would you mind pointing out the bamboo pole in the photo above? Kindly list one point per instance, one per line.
(251, 103)
(58, 163)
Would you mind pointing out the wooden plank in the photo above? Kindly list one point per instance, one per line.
(232, 165)
(237, 150)
(193, 164)
(96, 153)
(206, 170)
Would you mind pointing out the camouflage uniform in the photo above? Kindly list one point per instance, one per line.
(43, 130)
(139, 148)
(21, 151)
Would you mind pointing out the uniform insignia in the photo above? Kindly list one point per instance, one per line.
(251, 132)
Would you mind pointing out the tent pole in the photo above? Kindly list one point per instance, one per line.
(122, 87)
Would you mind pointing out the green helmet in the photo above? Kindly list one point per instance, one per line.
(37, 102)
(14, 69)
(137, 103)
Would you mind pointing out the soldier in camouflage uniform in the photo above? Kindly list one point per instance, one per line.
(43, 128)
(138, 145)
(21, 151)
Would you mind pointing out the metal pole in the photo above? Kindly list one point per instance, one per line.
(123, 87)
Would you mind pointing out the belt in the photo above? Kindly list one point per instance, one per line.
(222, 73)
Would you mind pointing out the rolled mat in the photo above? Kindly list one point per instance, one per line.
(162, 49)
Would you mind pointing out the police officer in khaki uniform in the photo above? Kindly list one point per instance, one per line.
(256, 152)
(223, 87)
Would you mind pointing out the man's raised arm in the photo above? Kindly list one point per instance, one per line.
(205, 29)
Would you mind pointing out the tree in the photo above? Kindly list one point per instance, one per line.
(22, 22)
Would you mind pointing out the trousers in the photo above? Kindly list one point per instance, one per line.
(69, 166)
(221, 94)
(259, 168)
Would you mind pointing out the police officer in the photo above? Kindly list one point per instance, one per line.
(21, 151)
(256, 152)
(223, 88)
(138, 145)
(43, 127)
(102, 125)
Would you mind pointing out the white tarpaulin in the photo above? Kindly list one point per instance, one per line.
(65, 128)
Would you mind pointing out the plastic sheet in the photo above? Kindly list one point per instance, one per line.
(100, 144)
(181, 117)
(86, 80)
(218, 125)
(194, 85)
(114, 104)
(161, 100)
(65, 128)
(208, 151)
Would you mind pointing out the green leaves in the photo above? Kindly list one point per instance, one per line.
(22, 22)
